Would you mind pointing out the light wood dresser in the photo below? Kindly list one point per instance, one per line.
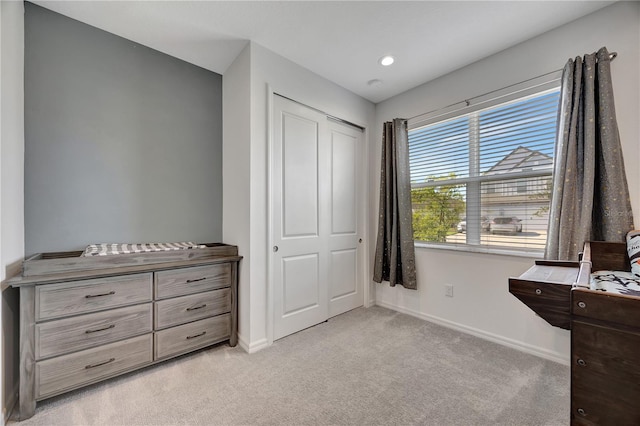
(83, 320)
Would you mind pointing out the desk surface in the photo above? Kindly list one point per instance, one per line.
(552, 274)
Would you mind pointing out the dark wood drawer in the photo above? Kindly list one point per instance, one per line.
(602, 306)
(179, 282)
(550, 301)
(85, 331)
(190, 308)
(602, 400)
(188, 337)
(67, 372)
(605, 379)
(79, 297)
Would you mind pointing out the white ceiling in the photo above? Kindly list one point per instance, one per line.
(341, 41)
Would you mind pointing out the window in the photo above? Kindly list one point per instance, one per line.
(483, 178)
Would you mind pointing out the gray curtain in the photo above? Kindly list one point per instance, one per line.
(395, 253)
(590, 199)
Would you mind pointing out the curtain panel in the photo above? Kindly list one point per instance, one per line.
(395, 252)
(590, 199)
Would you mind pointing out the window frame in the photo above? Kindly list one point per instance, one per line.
(532, 88)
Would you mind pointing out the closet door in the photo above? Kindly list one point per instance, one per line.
(300, 183)
(347, 201)
(318, 201)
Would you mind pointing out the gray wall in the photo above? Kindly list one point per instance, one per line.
(122, 143)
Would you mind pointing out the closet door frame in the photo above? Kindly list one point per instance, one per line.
(366, 274)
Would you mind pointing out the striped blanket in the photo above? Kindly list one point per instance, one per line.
(109, 249)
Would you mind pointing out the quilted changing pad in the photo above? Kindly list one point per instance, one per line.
(109, 249)
(619, 282)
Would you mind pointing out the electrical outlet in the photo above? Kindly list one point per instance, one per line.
(448, 290)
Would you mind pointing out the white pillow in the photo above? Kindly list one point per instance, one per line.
(633, 250)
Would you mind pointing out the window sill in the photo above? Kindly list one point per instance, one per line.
(480, 249)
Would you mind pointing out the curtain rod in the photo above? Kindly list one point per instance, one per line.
(612, 56)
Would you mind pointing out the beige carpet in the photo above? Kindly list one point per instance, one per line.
(366, 367)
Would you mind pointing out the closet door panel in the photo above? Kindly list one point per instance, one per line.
(300, 181)
(347, 198)
(343, 183)
(299, 176)
(301, 283)
(343, 273)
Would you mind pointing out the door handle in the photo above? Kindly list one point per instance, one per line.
(360, 240)
(275, 249)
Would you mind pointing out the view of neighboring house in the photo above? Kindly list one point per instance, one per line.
(526, 198)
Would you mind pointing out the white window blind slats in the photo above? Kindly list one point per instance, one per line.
(535, 107)
(530, 126)
(540, 136)
(490, 169)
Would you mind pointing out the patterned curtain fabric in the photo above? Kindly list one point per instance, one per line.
(590, 199)
(395, 253)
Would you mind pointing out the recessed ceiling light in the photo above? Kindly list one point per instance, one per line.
(374, 83)
(387, 60)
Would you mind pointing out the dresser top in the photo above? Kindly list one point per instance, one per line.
(41, 269)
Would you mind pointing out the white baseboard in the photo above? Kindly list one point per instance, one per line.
(514, 344)
(254, 346)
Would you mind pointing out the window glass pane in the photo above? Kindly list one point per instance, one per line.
(518, 135)
(518, 219)
(497, 164)
(440, 150)
(437, 211)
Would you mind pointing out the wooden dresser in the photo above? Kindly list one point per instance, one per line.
(83, 320)
(605, 332)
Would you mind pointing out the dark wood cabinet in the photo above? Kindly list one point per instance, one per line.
(605, 332)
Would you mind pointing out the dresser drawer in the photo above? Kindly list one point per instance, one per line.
(605, 379)
(85, 331)
(194, 335)
(70, 371)
(79, 297)
(598, 305)
(607, 351)
(597, 406)
(179, 282)
(185, 309)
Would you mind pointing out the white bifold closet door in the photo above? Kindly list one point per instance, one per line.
(318, 199)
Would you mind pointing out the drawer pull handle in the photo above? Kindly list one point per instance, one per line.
(197, 307)
(582, 362)
(582, 305)
(90, 296)
(99, 364)
(581, 411)
(100, 329)
(199, 279)
(196, 335)
(538, 291)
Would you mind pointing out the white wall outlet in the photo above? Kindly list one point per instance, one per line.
(448, 290)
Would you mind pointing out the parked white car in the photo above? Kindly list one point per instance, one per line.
(485, 224)
(506, 224)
